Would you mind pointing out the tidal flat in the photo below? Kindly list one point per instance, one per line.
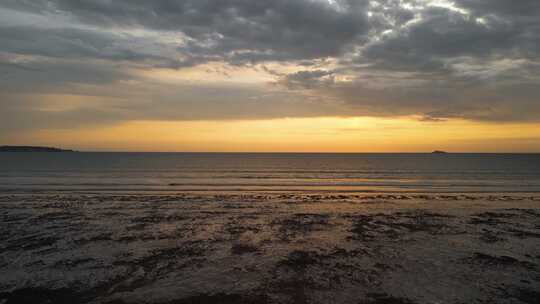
(269, 248)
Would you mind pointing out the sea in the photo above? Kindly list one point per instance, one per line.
(92, 172)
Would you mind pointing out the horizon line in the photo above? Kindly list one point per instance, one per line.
(293, 152)
(70, 150)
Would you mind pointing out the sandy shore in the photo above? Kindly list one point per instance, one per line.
(269, 248)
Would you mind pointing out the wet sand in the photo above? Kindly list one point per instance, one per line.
(269, 248)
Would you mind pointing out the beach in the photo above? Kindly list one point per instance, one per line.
(269, 152)
(288, 247)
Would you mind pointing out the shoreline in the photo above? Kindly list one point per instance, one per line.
(257, 192)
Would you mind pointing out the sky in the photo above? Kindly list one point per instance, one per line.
(271, 75)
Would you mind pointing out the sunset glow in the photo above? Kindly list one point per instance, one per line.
(330, 134)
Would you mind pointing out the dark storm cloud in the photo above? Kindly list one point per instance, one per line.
(488, 29)
(445, 100)
(52, 76)
(440, 35)
(515, 9)
(473, 59)
(67, 43)
(238, 30)
(478, 60)
(27, 5)
(523, 16)
(279, 29)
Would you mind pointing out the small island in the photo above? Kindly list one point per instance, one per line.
(31, 149)
(438, 152)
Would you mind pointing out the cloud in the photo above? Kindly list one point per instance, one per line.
(523, 9)
(233, 30)
(440, 35)
(28, 74)
(472, 59)
(65, 43)
(308, 79)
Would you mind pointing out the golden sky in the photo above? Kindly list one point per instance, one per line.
(329, 134)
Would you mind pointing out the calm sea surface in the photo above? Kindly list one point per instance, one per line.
(95, 172)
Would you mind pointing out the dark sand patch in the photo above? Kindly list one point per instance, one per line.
(381, 298)
(489, 236)
(240, 249)
(395, 226)
(483, 259)
(41, 296)
(300, 225)
(222, 298)
(524, 295)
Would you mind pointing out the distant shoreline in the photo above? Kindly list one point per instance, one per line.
(56, 150)
(32, 149)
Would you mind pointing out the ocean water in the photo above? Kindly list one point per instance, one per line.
(271, 172)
